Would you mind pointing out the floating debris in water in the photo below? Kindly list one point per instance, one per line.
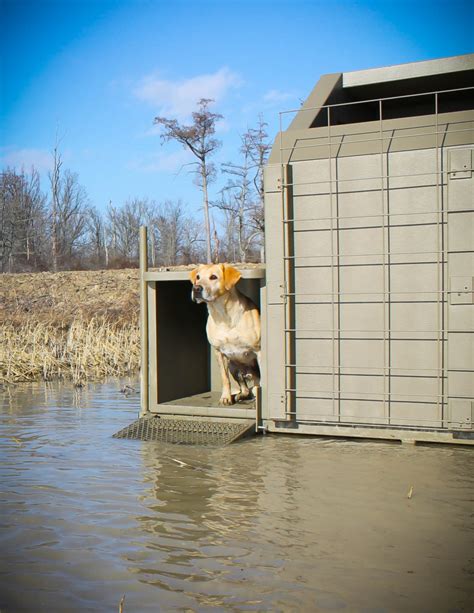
(127, 390)
(122, 600)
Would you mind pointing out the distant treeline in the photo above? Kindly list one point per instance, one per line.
(82, 237)
(57, 228)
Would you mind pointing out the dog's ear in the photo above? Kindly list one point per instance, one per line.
(231, 276)
(193, 275)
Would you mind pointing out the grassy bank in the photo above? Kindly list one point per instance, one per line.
(70, 325)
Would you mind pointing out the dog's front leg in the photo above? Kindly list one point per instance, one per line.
(257, 384)
(226, 397)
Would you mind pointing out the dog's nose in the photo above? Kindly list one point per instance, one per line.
(197, 289)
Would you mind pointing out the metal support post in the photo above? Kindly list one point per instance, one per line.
(144, 368)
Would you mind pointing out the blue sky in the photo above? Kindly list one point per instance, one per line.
(96, 72)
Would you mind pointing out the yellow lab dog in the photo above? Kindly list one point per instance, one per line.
(233, 327)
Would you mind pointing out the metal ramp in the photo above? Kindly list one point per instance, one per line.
(211, 433)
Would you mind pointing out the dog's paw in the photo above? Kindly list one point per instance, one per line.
(226, 400)
(242, 396)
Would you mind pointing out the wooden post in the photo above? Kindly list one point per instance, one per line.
(144, 367)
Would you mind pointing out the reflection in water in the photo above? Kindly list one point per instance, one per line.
(270, 524)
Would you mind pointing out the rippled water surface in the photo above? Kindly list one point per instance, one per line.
(270, 524)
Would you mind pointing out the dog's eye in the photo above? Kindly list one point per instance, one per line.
(213, 277)
(198, 277)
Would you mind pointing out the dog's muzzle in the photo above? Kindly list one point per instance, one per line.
(196, 294)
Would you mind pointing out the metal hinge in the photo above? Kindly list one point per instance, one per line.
(462, 290)
(460, 164)
(460, 413)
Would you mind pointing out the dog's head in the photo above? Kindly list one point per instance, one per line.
(210, 281)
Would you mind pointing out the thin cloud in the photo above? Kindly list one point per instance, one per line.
(178, 98)
(27, 158)
(275, 96)
(162, 162)
(271, 103)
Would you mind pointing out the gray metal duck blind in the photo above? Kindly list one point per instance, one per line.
(370, 252)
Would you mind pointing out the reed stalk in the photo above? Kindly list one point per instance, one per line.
(80, 350)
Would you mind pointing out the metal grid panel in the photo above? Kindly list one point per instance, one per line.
(366, 265)
(186, 431)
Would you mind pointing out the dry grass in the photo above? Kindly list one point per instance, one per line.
(80, 351)
(75, 325)
(63, 297)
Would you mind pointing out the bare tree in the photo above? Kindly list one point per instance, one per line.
(22, 220)
(230, 240)
(69, 213)
(171, 226)
(242, 197)
(258, 146)
(199, 139)
(97, 236)
(72, 216)
(192, 251)
(55, 182)
(124, 228)
(236, 198)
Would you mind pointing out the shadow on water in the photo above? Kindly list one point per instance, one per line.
(269, 524)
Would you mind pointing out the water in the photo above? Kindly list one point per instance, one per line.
(271, 524)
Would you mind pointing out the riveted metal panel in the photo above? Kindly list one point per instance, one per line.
(274, 248)
(274, 394)
(460, 308)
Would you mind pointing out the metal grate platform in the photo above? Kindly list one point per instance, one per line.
(186, 431)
